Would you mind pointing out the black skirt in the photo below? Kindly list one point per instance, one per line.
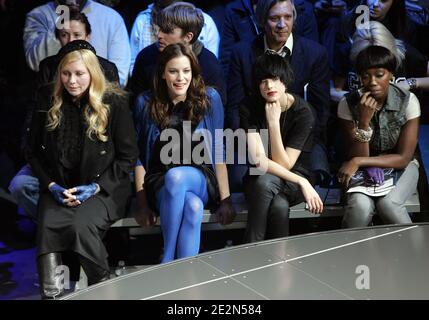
(80, 229)
(154, 181)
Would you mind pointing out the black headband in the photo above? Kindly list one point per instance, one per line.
(73, 46)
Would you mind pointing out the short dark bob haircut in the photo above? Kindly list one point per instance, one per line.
(271, 66)
(375, 57)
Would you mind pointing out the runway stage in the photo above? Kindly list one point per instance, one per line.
(372, 263)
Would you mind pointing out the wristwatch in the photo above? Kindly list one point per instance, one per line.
(412, 82)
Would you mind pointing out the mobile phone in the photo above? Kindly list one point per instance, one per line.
(361, 91)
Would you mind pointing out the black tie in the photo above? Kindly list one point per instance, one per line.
(286, 53)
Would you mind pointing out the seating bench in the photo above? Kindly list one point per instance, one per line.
(332, 208)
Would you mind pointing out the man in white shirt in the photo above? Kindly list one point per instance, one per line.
(145, 30)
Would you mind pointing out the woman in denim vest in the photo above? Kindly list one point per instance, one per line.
(380, 123)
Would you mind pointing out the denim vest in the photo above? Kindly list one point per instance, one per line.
(387, 126)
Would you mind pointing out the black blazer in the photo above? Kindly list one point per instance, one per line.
(106, 163)
(309, 62)
(240, 24)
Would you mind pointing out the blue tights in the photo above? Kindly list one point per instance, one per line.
(181, 202)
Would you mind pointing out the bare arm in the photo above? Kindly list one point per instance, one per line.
(356, 148)
(144, 215)
(225, 210)
(139, 173)
(265, 164)
(286, 157)
(422, 83)
(404, 153)
(367, 106)
(222, 179)
(405, 150)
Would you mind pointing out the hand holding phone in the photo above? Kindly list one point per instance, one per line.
(367, 106)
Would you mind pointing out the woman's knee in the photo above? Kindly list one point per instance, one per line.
(180, 179)
(22, 185)
(391, 211)
(193, 209)
(280, 207)
(79, 227)
(358, 211)
(82, 225)
(265, 184)
(387, 204)
(173, 180)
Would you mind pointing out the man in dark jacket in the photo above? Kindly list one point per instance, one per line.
(240, 24)
(174, 29)
(309, 63)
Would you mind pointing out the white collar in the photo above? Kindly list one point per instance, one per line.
(281, 52)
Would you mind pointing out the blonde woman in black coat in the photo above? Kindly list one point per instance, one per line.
(81, 148)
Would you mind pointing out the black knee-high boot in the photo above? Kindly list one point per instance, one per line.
(50, 277)
(93, 271)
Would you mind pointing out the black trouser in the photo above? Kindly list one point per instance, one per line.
(269, 199)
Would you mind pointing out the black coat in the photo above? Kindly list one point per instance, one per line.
(240, 25)
(106, 163)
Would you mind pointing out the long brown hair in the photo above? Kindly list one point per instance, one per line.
(196, 98)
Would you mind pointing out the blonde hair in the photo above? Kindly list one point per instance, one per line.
(96, 113)
(377, 35)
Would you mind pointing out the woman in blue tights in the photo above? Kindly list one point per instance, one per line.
(181, 169)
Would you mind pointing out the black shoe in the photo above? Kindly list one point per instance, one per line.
(93, 271)
(50, 277)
